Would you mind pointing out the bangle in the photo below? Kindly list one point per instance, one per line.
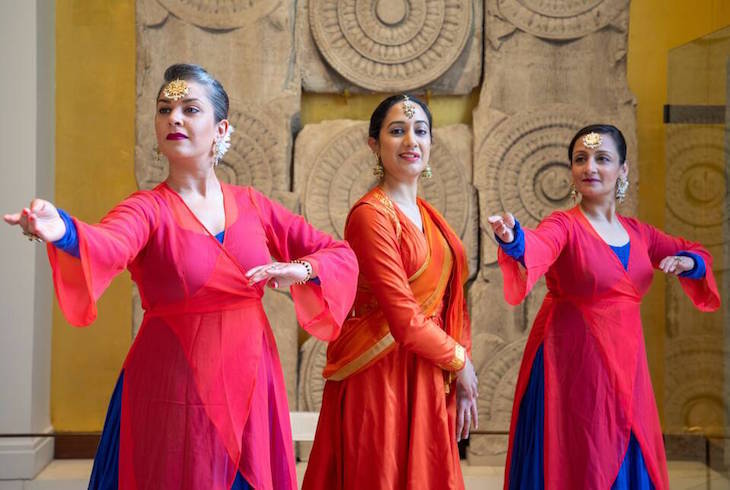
(307, 266)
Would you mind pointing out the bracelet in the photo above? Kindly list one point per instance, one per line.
(32, 237)
(307, 266)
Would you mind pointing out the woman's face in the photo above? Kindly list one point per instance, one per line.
(186, 128)
(596, 170)
(404, 143)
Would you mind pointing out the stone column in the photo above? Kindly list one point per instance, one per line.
(26, 165)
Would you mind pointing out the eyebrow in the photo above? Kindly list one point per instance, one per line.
(168, 101)
(403, 122)
(584, 151)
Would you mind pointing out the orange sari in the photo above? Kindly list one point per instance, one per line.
(388, 409)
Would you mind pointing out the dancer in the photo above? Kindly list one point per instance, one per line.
(584, 414)
(200, 403)
(401, 389)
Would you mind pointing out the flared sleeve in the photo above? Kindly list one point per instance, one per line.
(105, 249)
(374, 240)
(702, 291)
(321, 306)
(543, 246)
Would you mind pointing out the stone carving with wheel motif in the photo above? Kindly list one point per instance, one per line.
(333, 169)
(697, 185)
(522, 165)
(392, 45)
(558, 19)
(695, 400)
(217, 14)
(256, 157)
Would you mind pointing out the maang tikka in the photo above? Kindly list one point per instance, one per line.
(592, 140)
(176, 89)
(409, 108)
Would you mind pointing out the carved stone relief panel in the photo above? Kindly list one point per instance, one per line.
(526, 71)
(312, 360)
(261, 81)
(697, 200)
(333, 169)
(522, 165)
(390, 45)
(499, 333)
(219, 15)
(256, 157)
(694, 386)
(559, 20)
(697, 187)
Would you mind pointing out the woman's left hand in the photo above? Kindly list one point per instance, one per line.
(676, 264)
(277, 274)
(467, 414)
(467, 394)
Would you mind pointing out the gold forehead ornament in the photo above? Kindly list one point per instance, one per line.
(176, 89)
(592, 140)
(409, 108)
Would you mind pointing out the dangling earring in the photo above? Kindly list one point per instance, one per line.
(157, 155)
(218, 152)
(427, 173)
(378, 169)
(573, 193)
(221, 145)
(622, 186)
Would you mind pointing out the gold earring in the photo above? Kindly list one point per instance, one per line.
(378, 169)
(573, 193)
(427, 173)
(622, 186)
(157, 155)
(218, 151)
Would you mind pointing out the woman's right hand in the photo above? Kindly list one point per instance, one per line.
(40, 219)
(503, 226)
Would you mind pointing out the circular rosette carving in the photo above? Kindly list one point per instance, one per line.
(313, 358)
(343, 172)
(526, 161)
(694, 386)
(216, 14)
(497, 381)
(254, 158)
(697, 186)
(560, 19)
(390, 45)
(255, 155)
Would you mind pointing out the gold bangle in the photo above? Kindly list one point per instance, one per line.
(458, 361)
(307, 266)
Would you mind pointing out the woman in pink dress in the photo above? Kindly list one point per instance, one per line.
(584, 414)
(200, 402)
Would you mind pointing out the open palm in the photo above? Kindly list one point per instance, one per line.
(41, 218)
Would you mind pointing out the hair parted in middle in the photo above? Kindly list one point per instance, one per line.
(378, 115)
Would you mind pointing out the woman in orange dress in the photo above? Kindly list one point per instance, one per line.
(401, 390)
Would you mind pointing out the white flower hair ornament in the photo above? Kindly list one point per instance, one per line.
(222, 145)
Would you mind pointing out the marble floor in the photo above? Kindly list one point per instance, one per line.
(73, 474)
